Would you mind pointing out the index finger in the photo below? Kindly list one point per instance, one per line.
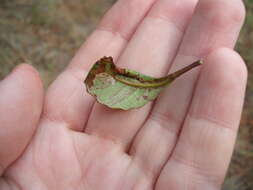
(67, 100)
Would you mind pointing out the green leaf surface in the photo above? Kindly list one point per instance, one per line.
(125, 89)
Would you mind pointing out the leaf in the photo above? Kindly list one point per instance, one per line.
(123, 88)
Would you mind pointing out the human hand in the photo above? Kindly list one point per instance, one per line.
(183, 140)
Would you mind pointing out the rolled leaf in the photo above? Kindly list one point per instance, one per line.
(125, 89)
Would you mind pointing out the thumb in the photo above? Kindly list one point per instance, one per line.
(21, 100)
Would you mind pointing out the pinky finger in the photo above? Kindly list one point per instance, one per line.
(206, 143)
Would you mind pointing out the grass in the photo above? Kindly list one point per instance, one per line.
(47, 33)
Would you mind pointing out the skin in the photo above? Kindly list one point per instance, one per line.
(184, 140)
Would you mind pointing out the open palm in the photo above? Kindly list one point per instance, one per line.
(183, 140)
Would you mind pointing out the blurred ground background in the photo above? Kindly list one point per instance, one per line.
(47, 33)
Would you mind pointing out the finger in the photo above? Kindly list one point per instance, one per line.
(154, 45)
(156, 140)
(67, 100)
(215, 24)
(205, 146)
(20, 108)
